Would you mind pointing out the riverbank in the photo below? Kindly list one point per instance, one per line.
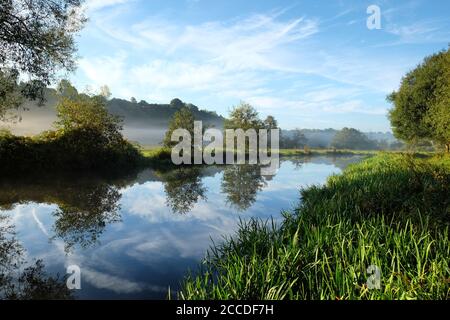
(157, 152)
(389, 213)
(83, 149)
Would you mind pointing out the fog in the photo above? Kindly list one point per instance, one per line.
(36, 120)
(144, 136)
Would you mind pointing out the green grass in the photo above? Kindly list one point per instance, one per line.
(300, 152)
(391, 211)
(161, 153)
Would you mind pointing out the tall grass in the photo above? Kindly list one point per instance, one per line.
(390, 211)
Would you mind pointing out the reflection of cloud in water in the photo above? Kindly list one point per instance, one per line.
(152, 247)
(101, 280)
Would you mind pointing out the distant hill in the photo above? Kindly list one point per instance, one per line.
(147, 123)
(143, 122)
(143, 113)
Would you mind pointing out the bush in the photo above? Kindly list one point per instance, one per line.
(87, 137)
(83, 148)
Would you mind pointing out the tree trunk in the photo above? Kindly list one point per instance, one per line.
(447, 148)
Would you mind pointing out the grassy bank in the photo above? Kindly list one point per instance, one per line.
(161, 154)
(391, 211)
(314, 152)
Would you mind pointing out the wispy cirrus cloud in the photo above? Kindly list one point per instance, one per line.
(420, 32)
(92, 5)
(256, 57)
(214, 57)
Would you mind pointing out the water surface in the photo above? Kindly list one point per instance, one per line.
(133, 236)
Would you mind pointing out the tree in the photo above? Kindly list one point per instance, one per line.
(349, 138)
(296, 140)
(422, 103)
(66, 89)
(80, 111)
(177, 103)
(270, 123)
(37, 40)
(299, 139)
(133, 100)
(10, 93)
(243, 116)
(182, 119)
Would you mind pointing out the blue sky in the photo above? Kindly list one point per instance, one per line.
(311, 64)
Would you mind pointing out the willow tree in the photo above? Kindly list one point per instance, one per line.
(422, 103)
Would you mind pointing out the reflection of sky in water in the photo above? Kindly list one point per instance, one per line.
(152, 247)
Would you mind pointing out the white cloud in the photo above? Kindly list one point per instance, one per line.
(93, 5)
(236, 60)
(113, 283)
(419, 32)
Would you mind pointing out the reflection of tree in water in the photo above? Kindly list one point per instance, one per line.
(183, 187)
(86, 203)
(298, 162)
(342, 162)
(241, 184)
(32, 282)
(83, 218)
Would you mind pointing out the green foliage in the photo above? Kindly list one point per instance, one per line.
(32, 282)
(87, 137)
(10, 95)
(36, 39)
(241, 184)
(82, 112)
(158, 154)
(391, 211)
(183, 187)
(349, 138)
(270, 123)
(177, 103)
(295, 141)
(244, 116)
(422, 104)
(182, 119)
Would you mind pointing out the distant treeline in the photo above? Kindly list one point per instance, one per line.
(347, 138)
(146, 123)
